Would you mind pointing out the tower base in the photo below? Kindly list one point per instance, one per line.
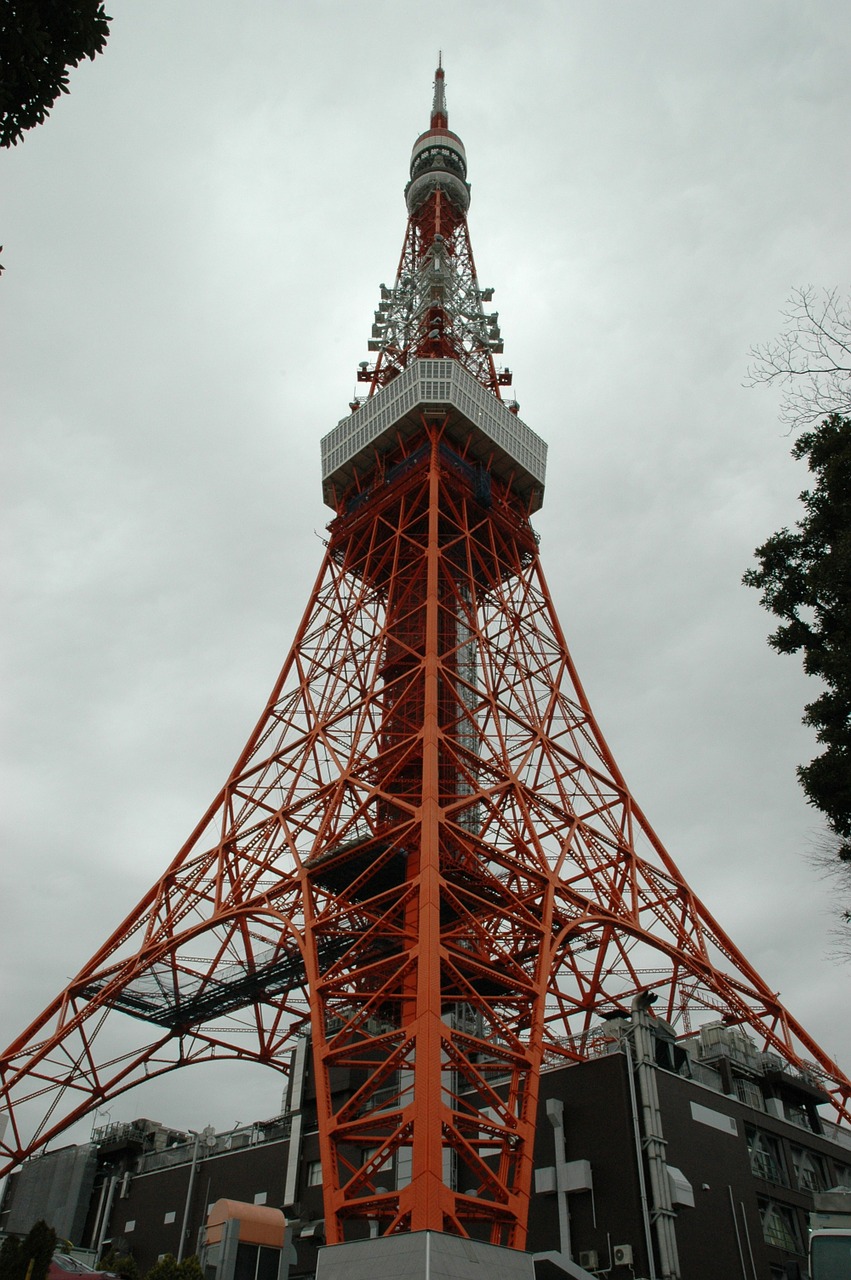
(423, 1255)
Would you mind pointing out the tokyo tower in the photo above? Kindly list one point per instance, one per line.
(426, 857)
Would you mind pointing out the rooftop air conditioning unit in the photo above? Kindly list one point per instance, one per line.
(622, 1255)
(589, 1260)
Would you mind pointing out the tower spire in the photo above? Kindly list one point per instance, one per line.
(439, 114)
(435, 309)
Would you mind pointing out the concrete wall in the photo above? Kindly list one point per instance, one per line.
(57, 1187)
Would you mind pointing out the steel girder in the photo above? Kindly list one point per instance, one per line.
(426, 857)
(426, 854)
(435, 307)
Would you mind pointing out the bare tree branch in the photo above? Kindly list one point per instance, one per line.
(811, 359)
(823, 857)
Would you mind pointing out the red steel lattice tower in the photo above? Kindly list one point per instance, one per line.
(426, 854)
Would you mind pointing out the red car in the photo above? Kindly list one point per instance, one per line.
(64, 1267)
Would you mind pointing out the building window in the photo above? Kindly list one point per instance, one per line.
(809, 1170)
(314, 1173)
(766, 1157)
(259, 1197)
(370, 1153)
(130, 1225)
(169, 1217)
(798, 1114)
(780, 1226)
(749, 1092)
(257, 1262)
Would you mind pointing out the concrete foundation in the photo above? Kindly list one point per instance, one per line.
(423, 1255)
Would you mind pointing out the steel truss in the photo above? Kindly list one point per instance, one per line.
(426, 857)
(435, 308)
(427, 854)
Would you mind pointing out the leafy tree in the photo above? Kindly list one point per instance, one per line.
(11, 1259)
(39, 41)
(168, 1268)
(120, 1264)
(811, 360)
(38, 1246)
(29, 1257)
(805, 579)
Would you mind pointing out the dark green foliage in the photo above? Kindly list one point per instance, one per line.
(38, 1248)
(805, 579)
(11, 1260)
(168, 1268)
(39, 41)
(32, 1254)
(120, 1264)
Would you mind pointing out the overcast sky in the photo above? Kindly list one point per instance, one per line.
(194, 243)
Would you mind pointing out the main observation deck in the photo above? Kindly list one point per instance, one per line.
(491, 433)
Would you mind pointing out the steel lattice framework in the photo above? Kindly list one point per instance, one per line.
(435, 308)
(425, 857)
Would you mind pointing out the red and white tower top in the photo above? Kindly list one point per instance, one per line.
(434, 342)
(439, 116)
(438, 159)
(435, 308)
